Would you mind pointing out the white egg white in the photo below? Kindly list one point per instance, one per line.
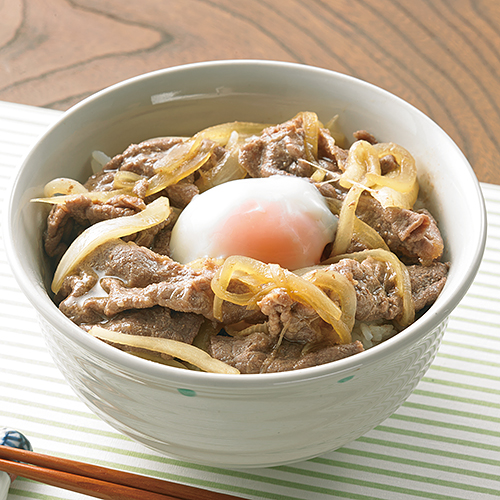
(199, 230)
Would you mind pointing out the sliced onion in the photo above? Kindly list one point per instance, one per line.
(345, 229)
(343, 291)
(181, 350)
(220, 134)
(63, 186)
(98, 161)
(168, 177)
(362, 161)
(397, 188)
(102, 196)
(227, 169)
(311, 126)
(261, 279)
(124, 179)
(107, 230)
(362, 232)
(401, 179)
(367, 236)
(389, 197)
(176, 155)
(335, 130)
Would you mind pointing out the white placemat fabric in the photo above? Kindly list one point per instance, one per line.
(442, 444)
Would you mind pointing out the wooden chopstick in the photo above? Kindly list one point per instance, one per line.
(96, 481)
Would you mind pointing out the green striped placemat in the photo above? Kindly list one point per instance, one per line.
(443, 443)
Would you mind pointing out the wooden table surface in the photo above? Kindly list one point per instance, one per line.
(443, 56)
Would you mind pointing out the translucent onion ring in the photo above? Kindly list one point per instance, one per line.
(63, 186)
(227, 168)
(220, 134)
(362, 161)
(102, 196)
(187, 352)
(362, 232)
(311, 126)
(345, 228)
(403, 178)
(343, 291)
(261, 278)
(363, 167)
(125, 179)
(189, 165)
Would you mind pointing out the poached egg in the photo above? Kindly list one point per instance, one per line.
(280, 219)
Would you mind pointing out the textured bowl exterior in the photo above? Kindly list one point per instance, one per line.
(245, 427)
(243, 420)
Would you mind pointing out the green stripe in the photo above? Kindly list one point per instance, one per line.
(16, 318)
(437, 437)
(486, 310)
(457, 399)
(467, 360)
(20, 331)
(23, 345)
(429, 451)
(446, 425)
(479, 284)
(213, 470)
(457, 385)
(488, 260)
(475, 321)
(387, 473)
(468, 333)
(398, 474)
(450, 411)
(465, 373)
(30, 494)
(477, 348)
(417, 463)
(47, 378)
(33, 362)
(56, 409)
(52, 423)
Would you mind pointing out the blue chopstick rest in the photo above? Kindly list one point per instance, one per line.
(14, 439)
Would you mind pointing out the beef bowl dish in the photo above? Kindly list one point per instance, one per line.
(244, 263)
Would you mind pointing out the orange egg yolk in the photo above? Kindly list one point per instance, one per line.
(273, 236)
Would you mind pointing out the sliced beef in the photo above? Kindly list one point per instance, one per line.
(301, 322)
(134, 277)
(154, 322)
(257, 353)
(101, 181)
(363, 135)
(67, 220)
(330, 156)
(182, 193)
(411, 234)
(141, 158)
(376, 292)
(427, 282)
(278, 150)
(87, 212)
(388, 163)
(281, 150)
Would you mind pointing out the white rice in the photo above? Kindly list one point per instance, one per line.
(372, 333)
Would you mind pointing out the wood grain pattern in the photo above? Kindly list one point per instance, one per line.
(443, 56)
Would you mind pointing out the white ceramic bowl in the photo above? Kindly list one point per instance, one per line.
(243, 420)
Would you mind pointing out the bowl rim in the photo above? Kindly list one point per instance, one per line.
(436, 314)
